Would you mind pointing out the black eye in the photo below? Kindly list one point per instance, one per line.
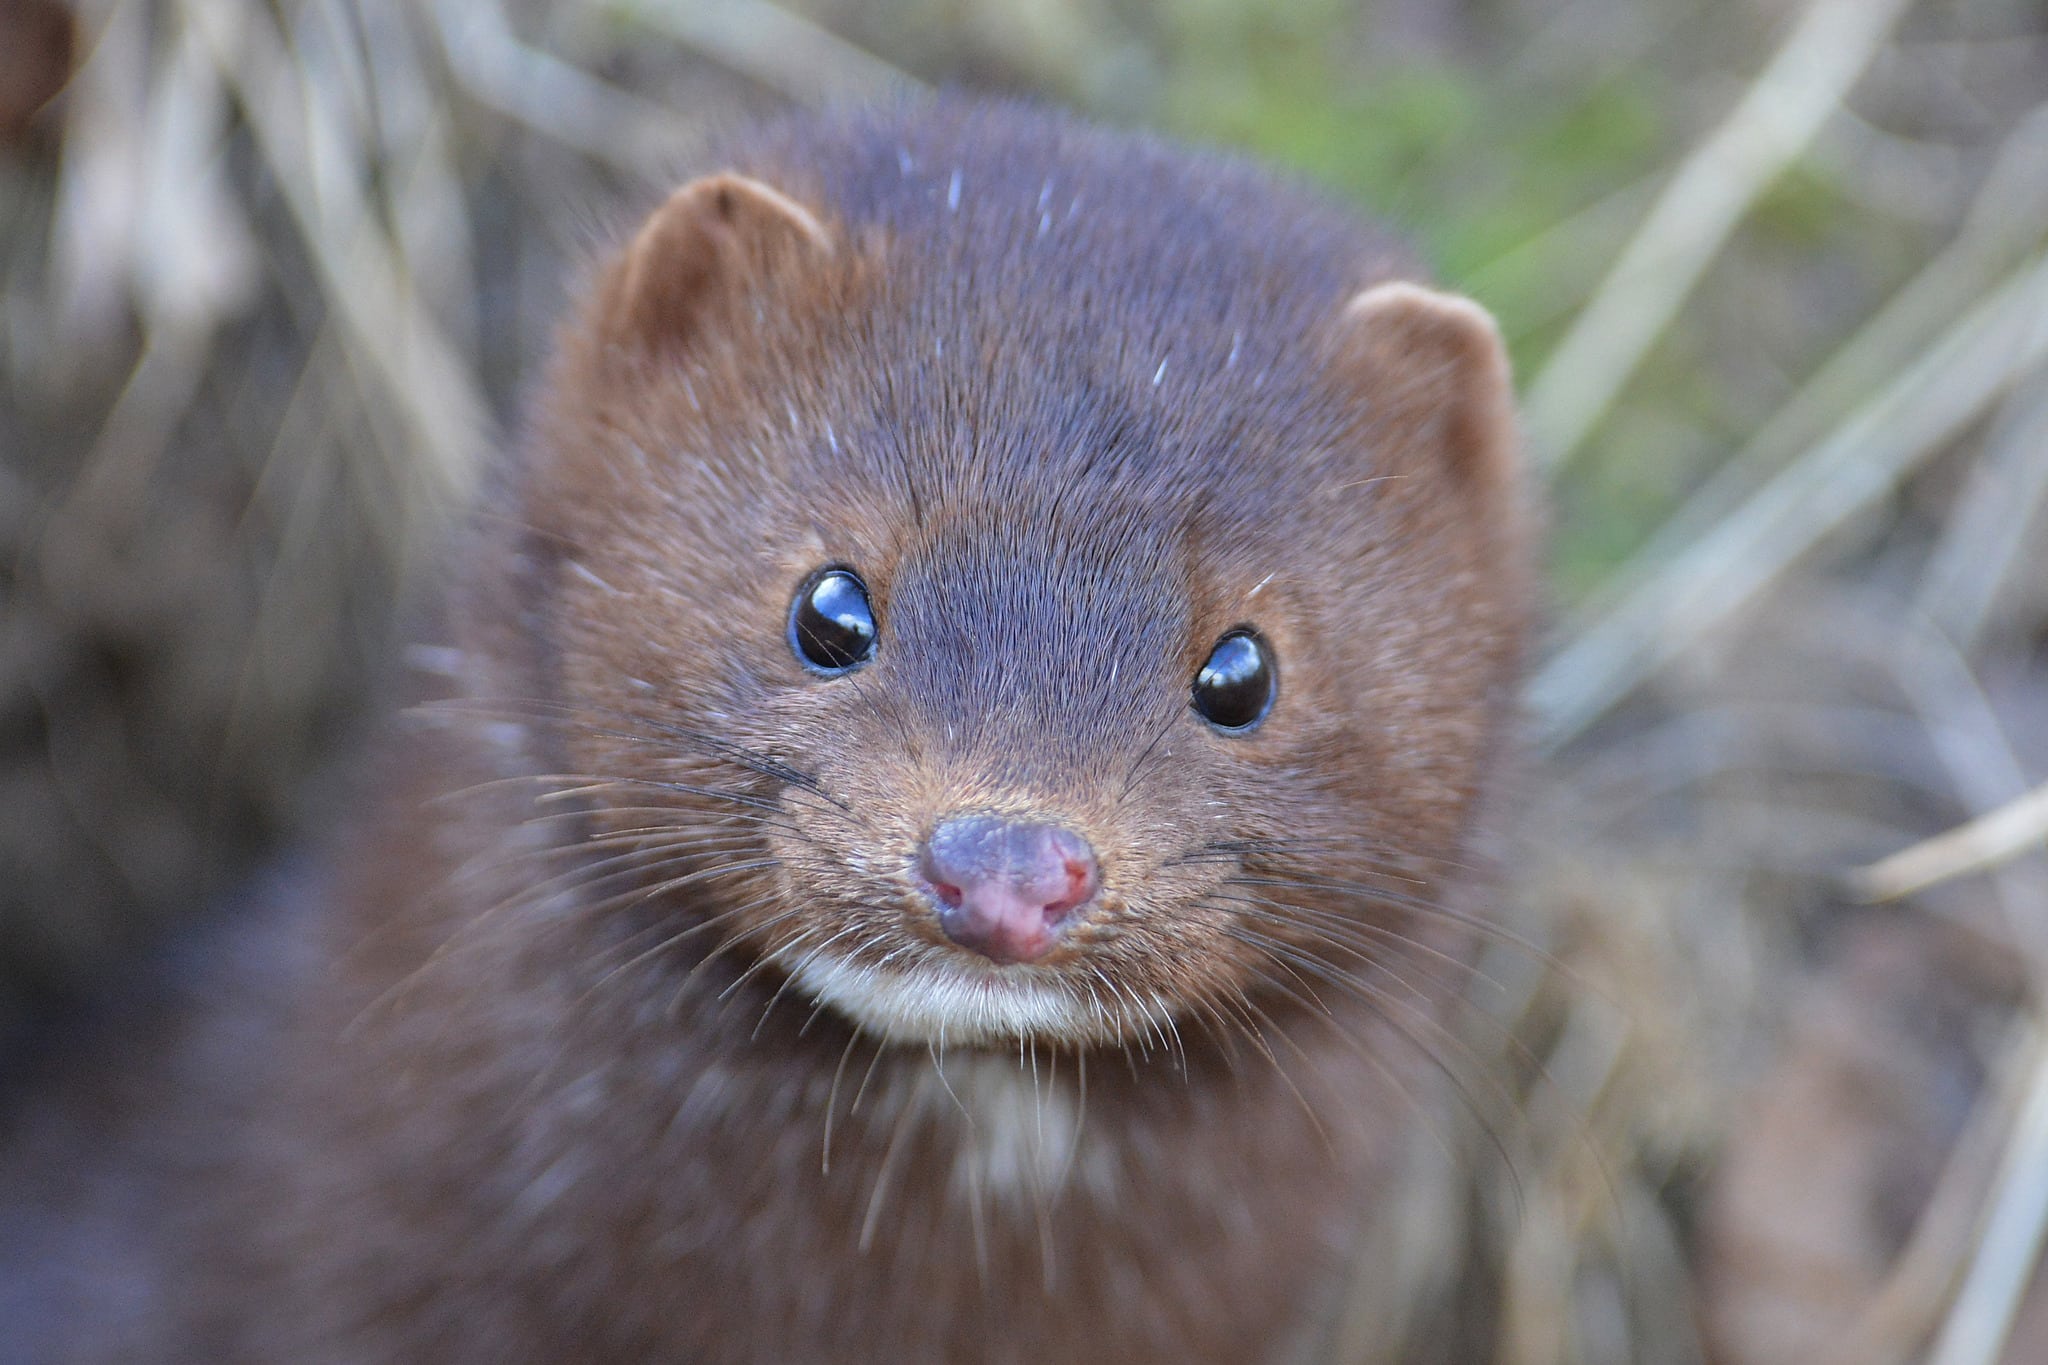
(831, 624)
(1235, 689)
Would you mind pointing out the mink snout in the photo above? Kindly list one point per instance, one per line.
(1006, 889)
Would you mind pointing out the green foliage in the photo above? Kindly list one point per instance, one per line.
(1470, 165)
(1478, 168)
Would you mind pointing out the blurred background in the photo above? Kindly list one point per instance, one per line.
(1766, 1058)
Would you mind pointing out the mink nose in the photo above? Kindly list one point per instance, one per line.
(1005, 888)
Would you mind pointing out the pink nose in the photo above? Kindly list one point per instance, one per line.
(1005, 888)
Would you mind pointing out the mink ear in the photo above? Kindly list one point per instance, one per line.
(712, 240)
(1434, 375)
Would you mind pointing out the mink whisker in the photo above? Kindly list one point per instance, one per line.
(1221, 1031)
(862, 1089)
(1383, 860)
(572, 785)
(1517, 1049)
(723, 998)
(1453, 992)
(643, 882)
(640, 892)
(1479, 924)
(832, 1096)
(885, 1173)
(1361, 941)
(687, 932)
(765, 959)
(1130, 1012)
(1041, 1198)
(1381, 1003)
(580, 870)
(565, 714)
(1131, 776)
(936, 1050)
(661, 839)
(886, 707)
(467, 932)
(684, 816)
(589, 872)
(1307, 1109)
(790, 975)
(747, 799)
(583, 876)
(703, 964)
(901, 950)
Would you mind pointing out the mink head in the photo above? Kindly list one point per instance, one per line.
(1012, 582)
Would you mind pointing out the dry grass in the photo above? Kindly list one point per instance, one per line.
(273, 274)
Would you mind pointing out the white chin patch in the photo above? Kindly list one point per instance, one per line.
(942, 1003)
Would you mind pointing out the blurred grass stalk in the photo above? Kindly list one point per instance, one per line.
(1983, 843)
(1921, 374)
(801, 60)
(1777, 118)
(319, 163)
(1672, 607)
(2004, 1260)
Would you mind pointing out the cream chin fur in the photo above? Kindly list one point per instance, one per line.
(1020, 1130)
(946, 1005)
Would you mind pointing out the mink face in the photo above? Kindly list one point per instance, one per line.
(1049, 596)
(997, 586)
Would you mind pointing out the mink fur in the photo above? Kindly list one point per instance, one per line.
(612, 1026)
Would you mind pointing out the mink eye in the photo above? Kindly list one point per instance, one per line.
(831, 623)
(1235, 688)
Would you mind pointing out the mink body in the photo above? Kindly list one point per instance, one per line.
(618, 1025)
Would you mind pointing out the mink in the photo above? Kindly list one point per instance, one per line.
(940, 827)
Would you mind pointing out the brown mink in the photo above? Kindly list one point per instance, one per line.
(960, 730)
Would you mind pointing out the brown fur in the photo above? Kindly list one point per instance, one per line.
(547, 1081)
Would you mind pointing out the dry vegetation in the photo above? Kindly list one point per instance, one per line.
(1770, 1066)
